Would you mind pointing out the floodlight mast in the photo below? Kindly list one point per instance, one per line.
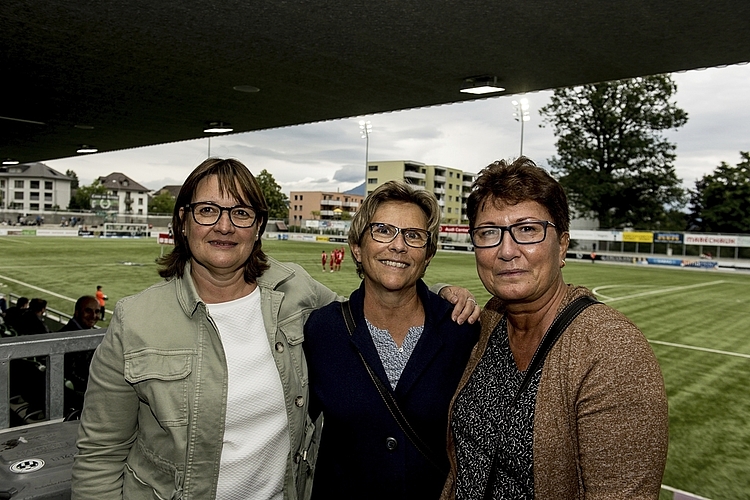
(365, 128)
(521, 114)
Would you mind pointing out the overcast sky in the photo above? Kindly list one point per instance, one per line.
(330, 156)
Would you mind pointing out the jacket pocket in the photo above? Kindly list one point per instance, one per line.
(160, 378)
(307, 456)
(292, 329)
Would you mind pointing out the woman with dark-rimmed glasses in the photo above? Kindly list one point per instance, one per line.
(402, 345)
(580, 416)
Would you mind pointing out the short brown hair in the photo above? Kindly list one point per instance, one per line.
(235, 179)
(397, 191)
(516, 182)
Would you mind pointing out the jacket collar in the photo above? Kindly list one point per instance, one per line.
(190, 301)
(428, 346)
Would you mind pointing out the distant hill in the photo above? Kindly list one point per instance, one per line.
(360, 190)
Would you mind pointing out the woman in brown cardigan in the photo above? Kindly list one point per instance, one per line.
(592, 423)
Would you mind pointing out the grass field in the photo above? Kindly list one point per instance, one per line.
(698, 322)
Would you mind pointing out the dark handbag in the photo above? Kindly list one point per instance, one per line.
(391, 403)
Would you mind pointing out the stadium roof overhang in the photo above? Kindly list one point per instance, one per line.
(116, 74)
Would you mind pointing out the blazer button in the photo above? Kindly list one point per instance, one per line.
(391, 444)
(279, 347)
(299, 401)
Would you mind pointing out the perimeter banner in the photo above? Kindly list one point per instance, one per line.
(637, 237)
(675, 238)
(454, 228)
(711, 239)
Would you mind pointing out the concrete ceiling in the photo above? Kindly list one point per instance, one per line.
(118, 74)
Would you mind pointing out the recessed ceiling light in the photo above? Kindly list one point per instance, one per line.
(218, 128)
(86, 149)
(10, 161)
(481, 85)
(246, 88)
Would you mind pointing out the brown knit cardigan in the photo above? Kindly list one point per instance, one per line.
(600, 422)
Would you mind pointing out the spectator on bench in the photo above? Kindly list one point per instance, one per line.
(77, 364)
(14, 313)
(85, 316)
(32, 320)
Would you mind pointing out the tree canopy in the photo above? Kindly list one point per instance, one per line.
(74, 176)
(162, 203)
(720, 202)
(81, 197)
(612, 159)
(277, 201)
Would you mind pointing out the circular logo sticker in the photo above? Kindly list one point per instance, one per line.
(26, 466)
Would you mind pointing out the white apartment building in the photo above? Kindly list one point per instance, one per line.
(33, 187)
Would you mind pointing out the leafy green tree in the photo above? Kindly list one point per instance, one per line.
(81, 198)
(277, 201)
(74, 176)
(720, 202)
(612, 159)
(162, 203)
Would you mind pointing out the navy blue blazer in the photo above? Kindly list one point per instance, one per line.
(363, 452)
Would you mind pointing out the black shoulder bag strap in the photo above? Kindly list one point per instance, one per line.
(558, 326)
(390, 402)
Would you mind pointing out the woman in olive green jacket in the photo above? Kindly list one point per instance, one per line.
(176, 398)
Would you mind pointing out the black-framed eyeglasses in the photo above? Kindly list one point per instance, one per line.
(207, 213)
(385, 233)
(523, 233)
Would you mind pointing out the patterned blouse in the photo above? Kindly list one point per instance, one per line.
(494, 443)
(393, 357)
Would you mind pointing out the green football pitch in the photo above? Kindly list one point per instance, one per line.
(698, 323)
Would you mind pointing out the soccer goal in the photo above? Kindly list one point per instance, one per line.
(125, 230)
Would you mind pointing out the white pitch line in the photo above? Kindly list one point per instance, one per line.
(29, 285)
(704, 349)
(651, 292)
(675, 490)
(11, 240)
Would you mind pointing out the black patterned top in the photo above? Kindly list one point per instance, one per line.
(484, 427)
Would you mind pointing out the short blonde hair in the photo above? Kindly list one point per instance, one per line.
(397, 191)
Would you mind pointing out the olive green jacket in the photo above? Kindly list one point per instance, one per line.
(154, 413)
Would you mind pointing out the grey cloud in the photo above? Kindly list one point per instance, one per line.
(350, 173)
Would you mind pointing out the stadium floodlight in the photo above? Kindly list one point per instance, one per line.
(365, 129)
(521, 114)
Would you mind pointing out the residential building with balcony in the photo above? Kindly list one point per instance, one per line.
(129, 197)
(321, 205)
(451, 186)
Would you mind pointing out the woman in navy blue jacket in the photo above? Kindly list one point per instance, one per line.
(405, 333)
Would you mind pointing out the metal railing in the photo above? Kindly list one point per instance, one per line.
(53, 347)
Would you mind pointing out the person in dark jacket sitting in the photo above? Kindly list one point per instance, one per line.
(85, 315)
(77, 364)
(32, 320)
(14, 313)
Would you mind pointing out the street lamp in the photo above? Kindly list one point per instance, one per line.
(521, 114)
(365, 129)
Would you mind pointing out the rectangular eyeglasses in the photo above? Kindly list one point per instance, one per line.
(207, 213)
(385, 233)
(523, 233)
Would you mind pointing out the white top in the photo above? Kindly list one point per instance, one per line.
(256, 435)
